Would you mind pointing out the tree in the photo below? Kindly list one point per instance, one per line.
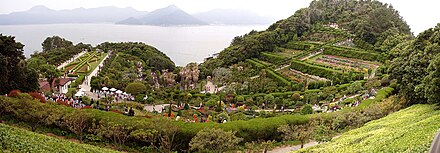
(269, 98)
(222, 75)
(214, 140)
(135, 88)
(296, 96)
(51, 73)
(14, 72)
(78, 122)
(431, 82)
(55, 42)
(301, 132)
(322, 132)
(307, 109)
(354, 87)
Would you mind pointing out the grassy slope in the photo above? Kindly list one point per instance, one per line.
(13, 139)
(409, 130)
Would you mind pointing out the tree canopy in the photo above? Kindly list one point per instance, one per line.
(14, 72)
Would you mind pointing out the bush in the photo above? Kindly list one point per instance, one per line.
(307, 109)
(135, 88)
(279, 78)
(38, 96)
(139, 98)
(214, 140)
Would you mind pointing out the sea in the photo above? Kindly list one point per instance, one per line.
(183, 44)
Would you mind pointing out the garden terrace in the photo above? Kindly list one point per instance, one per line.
(298, 76)
(344, 63)
(272, 58)
(350, 53)
(335, 75)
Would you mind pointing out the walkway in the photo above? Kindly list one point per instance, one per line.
(292, 148)
(68, 61)
(86, 84)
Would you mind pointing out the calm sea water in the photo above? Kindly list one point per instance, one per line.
(183, 44)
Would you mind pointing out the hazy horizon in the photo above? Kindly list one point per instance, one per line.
(420, 15)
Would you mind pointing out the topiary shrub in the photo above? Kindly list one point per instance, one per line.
(307, 109)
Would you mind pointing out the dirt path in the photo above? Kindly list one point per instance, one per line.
(292, 148)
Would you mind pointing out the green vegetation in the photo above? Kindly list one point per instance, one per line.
(416, 67)
(337, 76)
(57, 50)
(13, 139)
(350, 53)
(409, 130)
(14, 72)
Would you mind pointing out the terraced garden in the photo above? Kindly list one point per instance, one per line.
(409, 130)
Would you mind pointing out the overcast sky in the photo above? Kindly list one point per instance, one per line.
(420, 14)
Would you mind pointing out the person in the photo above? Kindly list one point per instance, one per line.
(126, 111)
(131, 112)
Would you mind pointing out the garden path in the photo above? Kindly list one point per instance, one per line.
(296, 147)
(86, 84)
(68, 61)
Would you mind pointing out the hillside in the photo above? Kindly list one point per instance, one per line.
(171, 15)
(369, 24)
(409, 130)
(13, 139)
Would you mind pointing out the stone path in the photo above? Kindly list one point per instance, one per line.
(68, 61)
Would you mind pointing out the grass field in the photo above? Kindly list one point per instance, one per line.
(409, 130)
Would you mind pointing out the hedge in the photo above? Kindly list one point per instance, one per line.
(350, 53)
(77, 82)
(256, 64)
(279, 78)
(275, 59)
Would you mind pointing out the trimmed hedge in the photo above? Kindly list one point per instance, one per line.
(275, 59)
(256, 64)
(77, 82)
(274, 75)
(350, 53)
(337, 76)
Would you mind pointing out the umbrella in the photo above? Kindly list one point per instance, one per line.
(104, 88)
(119, 92)
(124, 93)
(112, 89)
(79, 94)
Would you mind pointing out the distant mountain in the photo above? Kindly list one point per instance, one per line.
(43, 15)
(171, 15)
(233, 16)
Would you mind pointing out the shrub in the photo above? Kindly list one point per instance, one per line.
(307, 109)
(139, 98)
(14, 93)
(214, 140)
(135, 88)
(38, 96)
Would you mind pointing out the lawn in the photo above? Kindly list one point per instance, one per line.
(409, 130)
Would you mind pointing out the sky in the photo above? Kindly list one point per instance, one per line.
(420, 14)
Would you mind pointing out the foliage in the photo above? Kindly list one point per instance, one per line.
(13, 139)
(389, 134)
(14, 72)
(280, 78)
(331, 74)
(350, 53)
(410, 67)
(307, 109)
(135, 88)
(214, 140)
(300, 132)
